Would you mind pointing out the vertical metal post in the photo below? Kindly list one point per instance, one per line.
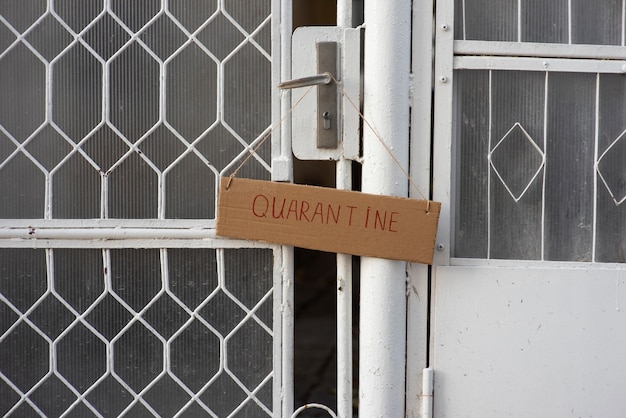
(282, 170)
(383, 282)
(344, 273)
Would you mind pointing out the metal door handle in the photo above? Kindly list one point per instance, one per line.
(313, 80)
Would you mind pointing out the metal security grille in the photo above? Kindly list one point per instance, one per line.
(541, 173)
(539, 130)
(120, 109)
(116, 120)
(169, 332)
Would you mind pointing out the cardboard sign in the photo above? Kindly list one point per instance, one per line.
(327, 219)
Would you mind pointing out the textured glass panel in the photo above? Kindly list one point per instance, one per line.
(517, 110)
(22, 189)
(545, 21)
(190, 189)
(22, 83)
(133, 189)
(472, 147)
(166, 397)
(223, 395)
(138, 356)
(109, 317)
(569, 167)
(247, 110)
(219, 146)
(78, 13)
(51, 316)
(109, 397)
(22, 276)
(193, 274)
(81, 357)
(248, 14)
(220, 36)
(163, 37)
(53, 397)
(24, 359)
(192, 13)
(49, 37)
(250, 354)
(76, 189)
(611, 216)
(554, 21)
(48, 147)
(8, 396)
(134, 92)
(106, 36)
(597, 22)
(195, 355)
(22, 13)
(77, 92)
(191, 92)
(135, 14)
(248, 274)
(136, 276)
(490, 20)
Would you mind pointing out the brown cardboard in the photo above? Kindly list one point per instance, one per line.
(327, 219)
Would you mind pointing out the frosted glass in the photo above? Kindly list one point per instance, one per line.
(569, 167)
(597, 22)
(509, 204)
(517, 146)
(472, 147)
(611, 216)
(544, 21)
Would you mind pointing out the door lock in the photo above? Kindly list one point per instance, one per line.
(327, 132)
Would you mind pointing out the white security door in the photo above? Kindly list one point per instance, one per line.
(529, 284)
(117, 119)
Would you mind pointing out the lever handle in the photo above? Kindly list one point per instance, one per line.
(313, 80)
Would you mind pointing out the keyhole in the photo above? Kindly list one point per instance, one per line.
(327, 117)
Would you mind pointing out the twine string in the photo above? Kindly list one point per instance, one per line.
(380, 139)
(267, 135)
(365, 121)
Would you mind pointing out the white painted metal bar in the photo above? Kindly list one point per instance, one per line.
(287, 315)
(420, 151)
(428, 377)
(106, 233)
(282, 168)
(344, 270)
(344, 311)
(539, 64)
(383, 282)
(443, 170)
(530, 49)
(129, 243)
(108, 223)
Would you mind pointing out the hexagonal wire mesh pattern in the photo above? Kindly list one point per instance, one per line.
(135, 332)
(128, 110)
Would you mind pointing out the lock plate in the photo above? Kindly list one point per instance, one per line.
(327, 110)
(310, 140)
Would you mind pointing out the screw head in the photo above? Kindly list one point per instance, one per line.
(440, 247)
(444, 27)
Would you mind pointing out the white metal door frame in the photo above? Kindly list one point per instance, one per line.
(579, 288)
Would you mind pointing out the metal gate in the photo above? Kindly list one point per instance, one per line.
(529, 160)
(116, 120)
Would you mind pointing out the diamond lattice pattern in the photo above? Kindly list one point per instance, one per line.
(517, 160)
